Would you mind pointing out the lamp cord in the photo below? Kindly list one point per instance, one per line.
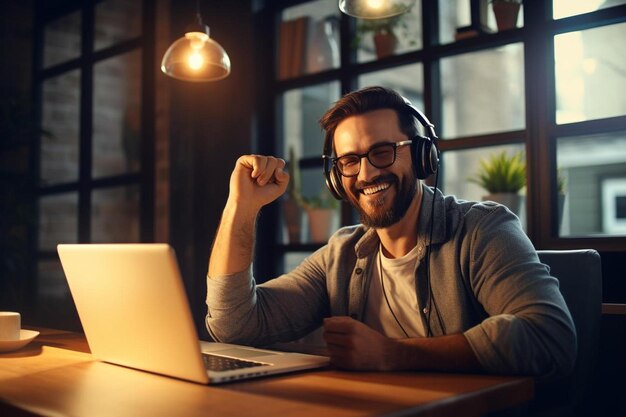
(198, 15)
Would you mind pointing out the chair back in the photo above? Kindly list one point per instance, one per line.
(580, 278)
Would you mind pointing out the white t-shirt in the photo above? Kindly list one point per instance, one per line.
(399, 286)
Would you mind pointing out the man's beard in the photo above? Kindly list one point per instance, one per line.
(381, 217)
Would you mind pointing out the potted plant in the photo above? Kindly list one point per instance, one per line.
(503, 176)
(320, 210)
(506, 12)
(384, 33)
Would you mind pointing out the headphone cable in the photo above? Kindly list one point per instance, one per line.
(431, 297)
(382, 285)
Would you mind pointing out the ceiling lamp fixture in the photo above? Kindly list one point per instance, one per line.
(195, 56)
(375, 9)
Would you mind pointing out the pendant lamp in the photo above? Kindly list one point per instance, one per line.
(195, 56)
(375, 9)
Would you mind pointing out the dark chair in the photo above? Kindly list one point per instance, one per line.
(580, 277)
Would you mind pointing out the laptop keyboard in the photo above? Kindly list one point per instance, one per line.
(222, 363)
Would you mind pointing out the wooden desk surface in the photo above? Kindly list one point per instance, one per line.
(55, 375)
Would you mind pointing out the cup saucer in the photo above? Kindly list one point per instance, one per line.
(26, 336)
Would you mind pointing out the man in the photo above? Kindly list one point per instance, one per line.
(392, 294)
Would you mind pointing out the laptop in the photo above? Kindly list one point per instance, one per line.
(134, 310)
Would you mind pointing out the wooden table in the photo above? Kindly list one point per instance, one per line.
(56, 376)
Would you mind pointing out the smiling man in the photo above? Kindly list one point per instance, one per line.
(426, 281)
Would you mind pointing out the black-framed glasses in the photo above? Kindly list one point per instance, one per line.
(381, 155)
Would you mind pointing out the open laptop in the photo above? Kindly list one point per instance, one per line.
(132, 304)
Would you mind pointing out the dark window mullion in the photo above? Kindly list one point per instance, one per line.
(539, 101)
(148, 86)
(86, 125)
(430, 64)
(598, 18)
(32, 282)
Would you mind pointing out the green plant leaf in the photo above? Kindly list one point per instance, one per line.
(501, 173)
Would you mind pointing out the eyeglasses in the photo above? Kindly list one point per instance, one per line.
(380, 156)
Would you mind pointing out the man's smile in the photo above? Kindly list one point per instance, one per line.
(376, 188)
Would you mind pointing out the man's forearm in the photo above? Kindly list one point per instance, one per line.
(234, 242)
(442, 353)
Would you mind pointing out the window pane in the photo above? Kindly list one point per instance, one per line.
(117, 21)
(455, 20)
(483, 92)
(54, 301)
(308, 39)
(115, 215)
(117, 115)
(407, 80)
(62, 40)
(565, 8)
(378, 38)
(302, 108)
(593, 169)
(453, 15)
(590, 74)
(58, 220)
(51, 280)
(458, 167)
(60, 118)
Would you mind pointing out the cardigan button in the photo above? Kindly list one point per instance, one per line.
(358, 271)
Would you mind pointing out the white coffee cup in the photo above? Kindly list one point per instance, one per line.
(10, 325)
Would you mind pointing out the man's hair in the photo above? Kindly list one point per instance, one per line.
(366, 100)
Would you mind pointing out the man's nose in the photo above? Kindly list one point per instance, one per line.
(367, 170)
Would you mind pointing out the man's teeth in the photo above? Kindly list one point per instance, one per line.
(375, 189)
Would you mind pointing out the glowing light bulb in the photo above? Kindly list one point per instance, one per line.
(195, 61)
(375, 4)
(196, 39)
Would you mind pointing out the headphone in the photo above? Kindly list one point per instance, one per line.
(424, 154)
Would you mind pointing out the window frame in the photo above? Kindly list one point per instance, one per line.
(84, 185)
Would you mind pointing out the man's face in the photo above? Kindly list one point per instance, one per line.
(382, 196)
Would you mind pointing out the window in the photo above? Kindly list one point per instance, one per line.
(545, 87)
(93, 182)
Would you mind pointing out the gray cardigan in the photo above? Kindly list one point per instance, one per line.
(487, 282)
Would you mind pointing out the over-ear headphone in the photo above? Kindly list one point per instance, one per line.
(424, 154)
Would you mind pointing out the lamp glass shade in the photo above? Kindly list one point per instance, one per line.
(196, 57)
(375, 9)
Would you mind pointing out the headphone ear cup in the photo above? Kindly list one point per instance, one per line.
(425, 158)
(433, 157)
(333, 181)
(430, 157)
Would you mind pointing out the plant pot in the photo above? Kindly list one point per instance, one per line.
(506, 14)
(293, 220)
(320, 224)
(385, 44)
(512, 201)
